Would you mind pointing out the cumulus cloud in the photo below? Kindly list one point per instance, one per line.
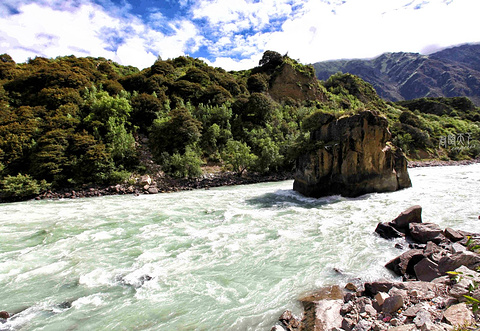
(234, 33)
(88, 29)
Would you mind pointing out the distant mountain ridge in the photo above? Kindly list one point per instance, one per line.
(400, 76)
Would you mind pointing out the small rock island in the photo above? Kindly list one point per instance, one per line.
(351, 156)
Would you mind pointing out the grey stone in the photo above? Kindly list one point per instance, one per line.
(380, 297)
(452, 235)
(426, 270)
(379, 286)
(348, 324)
(411, 215)
(457, 247)
(392, 304)
(406, 327)
(422, 317)
(412, 311)
(424, 232)
(387, 231)
(370, 310)
(327, 315)
(363, 325)
(152, 190)
(346, 308)
(449, 263)
(404, 263)
(458, 315)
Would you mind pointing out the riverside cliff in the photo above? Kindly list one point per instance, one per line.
(351, 156)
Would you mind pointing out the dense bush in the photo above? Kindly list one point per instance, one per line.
(21, 186)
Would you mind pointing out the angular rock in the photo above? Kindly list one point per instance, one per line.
(379, 286)
(458, 315)
(348, 324)
(412, 311)
(426, 270)
(322, 315)
(451, 262)
(422, 318)
(411, 215)
(322, 309)
(387, 231)
(363, 325)
(289, 321)
(424, 232)
(370, 310)
(452, 235)
(354, 158)
(152, 190)
(392, 304)
(456, 247)
(380, 298)
(351, 287)
(145, 180)
(406, 327)
(404, 264)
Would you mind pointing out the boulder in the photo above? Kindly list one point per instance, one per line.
(4, 314)
(411, 215)
(322, 309)
(466, 258)
(144, 180)
(457, 315)
(372, 288)
(452, 235)
(426, 270)
(380, 298)
(424, 232)
(289, 321)
(422, 317)
(392, 304)
(387, 231)
(152, 190)
(353, 158)
(403, 265)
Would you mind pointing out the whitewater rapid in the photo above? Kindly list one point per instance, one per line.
(230, 258)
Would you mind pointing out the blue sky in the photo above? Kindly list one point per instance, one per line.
(232, 34)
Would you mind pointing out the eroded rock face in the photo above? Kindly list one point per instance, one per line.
(352, 158)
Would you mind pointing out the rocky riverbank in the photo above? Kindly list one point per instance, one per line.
(439, 284)
(440, 163)
(148, 185)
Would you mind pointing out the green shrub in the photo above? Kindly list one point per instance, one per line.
(21, 186)
(119, 176)
(187, 165)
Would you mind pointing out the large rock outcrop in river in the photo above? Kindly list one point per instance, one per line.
(351, 156)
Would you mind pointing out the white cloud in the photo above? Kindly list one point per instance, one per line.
(229, 63)
(362, 29)
(41, 30)
(236, 32)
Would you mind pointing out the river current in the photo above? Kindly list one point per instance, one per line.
(230, 258)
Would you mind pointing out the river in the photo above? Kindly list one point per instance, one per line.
(229, 258)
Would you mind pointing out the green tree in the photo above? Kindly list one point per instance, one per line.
(237, 154)
(173, 133)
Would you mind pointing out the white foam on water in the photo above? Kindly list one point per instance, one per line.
(230, 258)
(90, 300)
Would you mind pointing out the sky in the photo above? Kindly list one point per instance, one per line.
(232, 34)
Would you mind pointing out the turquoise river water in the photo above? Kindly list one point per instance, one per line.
(230, 258)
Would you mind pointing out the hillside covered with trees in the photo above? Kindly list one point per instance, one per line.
(74, 122)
